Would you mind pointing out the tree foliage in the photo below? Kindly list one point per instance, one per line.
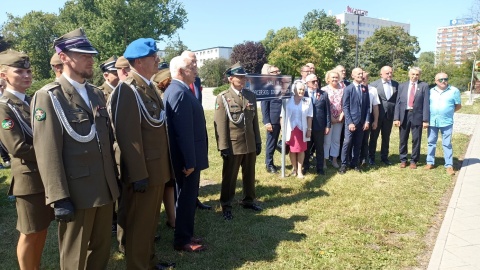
(273, 40)
(112, 25)
(33, 34)
(212, 71)
(290, 56)
(389, 46)
(327, 45)
(174, 48)
(250, 54)
(4, 44)
(319, 20)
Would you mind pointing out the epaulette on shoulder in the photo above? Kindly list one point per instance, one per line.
(4, 100)
(223, 92)
(49, 87)
(94, 86)
(129, 80)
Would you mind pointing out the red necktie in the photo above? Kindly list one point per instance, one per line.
(412, 95)
(192, 88)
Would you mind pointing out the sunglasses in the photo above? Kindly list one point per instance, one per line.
(314, 81)
(443, 80)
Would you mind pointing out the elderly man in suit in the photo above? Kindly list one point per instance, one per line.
(412, 113)
(387, 93)
(238, 139)
(187, 134)
(138, 118)
(271, 110)
(356, 107)
(34, 216)
(71, 136)
(320, 123)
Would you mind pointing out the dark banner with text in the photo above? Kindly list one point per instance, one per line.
(269, 87)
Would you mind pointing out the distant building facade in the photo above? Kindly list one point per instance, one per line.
(358, 24)
(212, 53)
(455, 41)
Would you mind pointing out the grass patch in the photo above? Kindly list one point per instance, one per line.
(374, 220)
(470, 109)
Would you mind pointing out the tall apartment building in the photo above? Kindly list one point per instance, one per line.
(455, 41)
(212, 53)
(358, 24)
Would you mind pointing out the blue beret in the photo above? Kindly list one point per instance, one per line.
(140, 48)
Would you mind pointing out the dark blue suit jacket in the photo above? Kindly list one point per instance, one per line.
(421, 103)
(187, 130)
(321, 110)
(198, 88)
(356, 112)
(271, 111)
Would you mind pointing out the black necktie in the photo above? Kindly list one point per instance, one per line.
(359, 92)
(27, 100)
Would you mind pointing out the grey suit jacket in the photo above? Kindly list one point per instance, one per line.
(387, 110)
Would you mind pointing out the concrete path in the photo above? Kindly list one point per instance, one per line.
(458, 242)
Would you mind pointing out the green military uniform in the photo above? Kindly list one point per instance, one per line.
(73, 149)
(236, 128)
(144, 154)
(26, 184)
(107, 89)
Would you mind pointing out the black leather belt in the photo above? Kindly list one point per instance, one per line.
(409, 110)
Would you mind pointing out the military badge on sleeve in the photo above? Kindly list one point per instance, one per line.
(7, 124)
(40, 114)
(216, 105)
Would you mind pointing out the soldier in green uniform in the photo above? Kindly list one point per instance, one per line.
(138, 117)
(123, 68)
(16, 136)
(71, 136)
(110, 75)
(238, 139)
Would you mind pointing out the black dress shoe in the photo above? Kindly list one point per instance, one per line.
(227, 215)
(320, 172)
(156, 238)
(304, 171)
(342, 170)
(271, 169)
(252, 206)
(202, 206)
(357, 169)
(165, 265)
(386, 162)
(169, 225)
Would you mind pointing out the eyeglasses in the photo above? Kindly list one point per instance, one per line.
(275, 72)
(305, 70)
(314, 81)
(443, 80)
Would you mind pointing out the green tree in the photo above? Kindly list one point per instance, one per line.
(112, 25)
(290, 56)
(327, 44)
(33, 34)
(389, 46)
(250, 54)
(174, 48)
(426, 61)
(4, 44)
(319, 20)
(273, 40)
(212, 71)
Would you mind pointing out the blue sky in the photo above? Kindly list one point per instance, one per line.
(226, 23)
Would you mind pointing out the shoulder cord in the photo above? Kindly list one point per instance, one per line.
(144, 112)
(63, 119)
(227, 110)
(26, 129)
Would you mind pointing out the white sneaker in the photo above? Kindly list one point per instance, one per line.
(7, 164)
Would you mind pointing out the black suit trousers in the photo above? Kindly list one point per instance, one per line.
(385, 127)
(186, 204)
(272, 140)
(405, 128)
(315, 144)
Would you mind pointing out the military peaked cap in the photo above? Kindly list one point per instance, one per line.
(75, 41)
(14, 59)
(109, 65)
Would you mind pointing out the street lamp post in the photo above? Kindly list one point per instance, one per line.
(358, 36)
(470, 100)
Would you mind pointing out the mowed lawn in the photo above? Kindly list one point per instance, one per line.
(378, 219)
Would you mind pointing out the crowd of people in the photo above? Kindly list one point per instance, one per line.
(345, 119)
(103, 159)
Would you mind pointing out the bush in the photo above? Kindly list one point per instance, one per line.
(220, 89)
